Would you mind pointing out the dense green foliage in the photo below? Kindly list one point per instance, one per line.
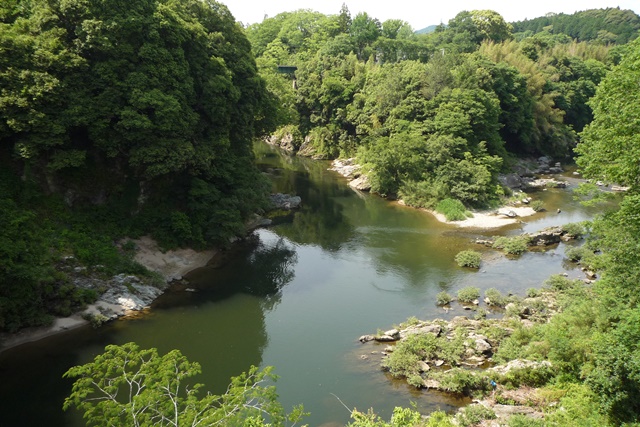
(129, 386)
(119, 120)
(604, 26)
(468, 259)
(150, 109)
(429, 116)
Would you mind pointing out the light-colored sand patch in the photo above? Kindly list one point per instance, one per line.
(60, 324)
(171, 264)
(489, 219)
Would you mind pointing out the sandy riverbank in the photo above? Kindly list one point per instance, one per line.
(172, 265)
(489, 219)
(485, 219)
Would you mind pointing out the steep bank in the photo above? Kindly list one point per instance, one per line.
(125, 295)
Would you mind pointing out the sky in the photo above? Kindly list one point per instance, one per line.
(419, 13)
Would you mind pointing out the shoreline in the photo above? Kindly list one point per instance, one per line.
(483, 219)
(172, 265)
(488, 219)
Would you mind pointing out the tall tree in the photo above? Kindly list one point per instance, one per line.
(129, 386)
(610, 146)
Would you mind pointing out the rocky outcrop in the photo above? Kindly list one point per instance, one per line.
(285, 201)
(125, 294)
(286, 141)
(350, 169)
(545, 237)
(544, 183)
(346, 167)
(512, 180)
(361, 183)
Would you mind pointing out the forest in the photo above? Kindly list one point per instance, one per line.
(125, 119)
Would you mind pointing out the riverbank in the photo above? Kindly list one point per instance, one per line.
(484, 358)
(489, 219)
(506, 215)
(126, 295)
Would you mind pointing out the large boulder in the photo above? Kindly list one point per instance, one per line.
(285, 201)
(361, 183)
(287, 141)
(346, 167)
(512, 180)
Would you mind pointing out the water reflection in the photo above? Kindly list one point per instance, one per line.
(321, 220)
(263, 266)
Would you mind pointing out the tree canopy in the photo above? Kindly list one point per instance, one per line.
(161, 97)
(129, 386)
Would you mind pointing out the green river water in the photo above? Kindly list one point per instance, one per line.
(297, 296)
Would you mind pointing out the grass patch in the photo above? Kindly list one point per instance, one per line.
(468, 294)
(443, 298)
(453, 210)
(469, 259)
(516, 245)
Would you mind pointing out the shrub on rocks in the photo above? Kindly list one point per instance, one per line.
(443, 298)
(468, 294)
(495, 298)
(468, 259)
(512, 245)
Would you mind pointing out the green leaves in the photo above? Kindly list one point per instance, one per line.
(610, 145)
(129, 386)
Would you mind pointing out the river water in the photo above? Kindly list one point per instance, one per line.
(297, 296)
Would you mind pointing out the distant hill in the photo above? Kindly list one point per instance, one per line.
(427, 30)
(610, 25)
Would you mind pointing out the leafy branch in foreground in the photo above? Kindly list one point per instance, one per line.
(129, 386)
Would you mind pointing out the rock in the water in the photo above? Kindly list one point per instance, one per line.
(426, 329)
(366, 338)
(361, 183)
(285, 201)
(346, 167)
(547, 236)
(512, 180)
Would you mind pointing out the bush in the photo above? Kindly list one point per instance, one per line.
(512, 245)
(557, 282)
(462, 381)
(532, 377)
(468, 259)
(520, 420)
(403, 362)
(533, 292)
(468, 294)
(576, 254)
(452, 209)
(537, 205)
(495, 297)
(474, 414)
(481, 314)
(574, 229)
(443, 298)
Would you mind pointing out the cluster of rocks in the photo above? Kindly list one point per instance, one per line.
(479, 348)
(350, 169)
(545, 237)
(125, 294)
(294, 144)
(526, 172)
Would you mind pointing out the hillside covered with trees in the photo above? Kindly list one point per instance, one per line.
(122, 119)
(119, 119)
(429, 116)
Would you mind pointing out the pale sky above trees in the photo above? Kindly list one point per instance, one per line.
(418, 13)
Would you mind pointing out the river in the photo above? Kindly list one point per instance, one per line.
(297, 296)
